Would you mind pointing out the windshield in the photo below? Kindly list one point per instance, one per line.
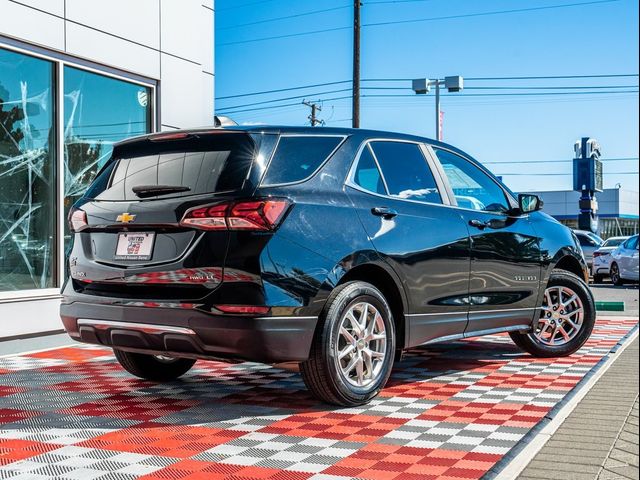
(613, 242)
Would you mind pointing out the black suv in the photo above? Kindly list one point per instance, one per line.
(333, 248)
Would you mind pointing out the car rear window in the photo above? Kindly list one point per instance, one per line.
(211, 163)
(298, 157)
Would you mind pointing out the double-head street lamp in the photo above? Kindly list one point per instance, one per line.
(422, 86)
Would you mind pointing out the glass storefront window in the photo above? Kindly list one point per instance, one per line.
(98, 111)
(27, 173)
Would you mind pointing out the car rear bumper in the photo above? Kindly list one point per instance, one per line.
(188, 332)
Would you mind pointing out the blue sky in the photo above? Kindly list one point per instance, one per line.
(589, 39)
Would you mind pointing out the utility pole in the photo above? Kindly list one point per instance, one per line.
(313, 118)
(438, 120)
(355, 111)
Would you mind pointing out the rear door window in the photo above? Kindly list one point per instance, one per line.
(405, 171)
(367, 174)
(215, 164)
(298, 157)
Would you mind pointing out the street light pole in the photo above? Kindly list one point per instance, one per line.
(422, 86)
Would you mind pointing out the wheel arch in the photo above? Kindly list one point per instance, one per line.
(571, 264)
(390, 288)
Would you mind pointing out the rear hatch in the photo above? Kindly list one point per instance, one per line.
(129, 239)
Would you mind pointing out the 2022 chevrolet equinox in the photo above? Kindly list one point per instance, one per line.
(333, 248)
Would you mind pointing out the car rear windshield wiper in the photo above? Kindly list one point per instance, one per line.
(145, 191)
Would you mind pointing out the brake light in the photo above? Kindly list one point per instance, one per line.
(599, 254)
(161, 137)
(77, 220)
(257, 215)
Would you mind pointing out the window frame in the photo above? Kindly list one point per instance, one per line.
(261, 183)
(429, 161)
(454, 203)
(59, 61)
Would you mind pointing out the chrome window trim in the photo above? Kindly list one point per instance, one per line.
(309, 177)
(350, 180)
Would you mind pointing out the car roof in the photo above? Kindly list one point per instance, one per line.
(294, 130)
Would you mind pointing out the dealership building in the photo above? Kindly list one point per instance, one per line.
(617, 210)
(75, 77)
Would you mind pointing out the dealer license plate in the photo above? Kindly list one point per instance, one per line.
(135, 246)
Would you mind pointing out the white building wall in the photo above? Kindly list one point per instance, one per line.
(167, 40)
(611, 202)
(170, 41)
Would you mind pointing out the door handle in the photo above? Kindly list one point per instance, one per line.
(478, 224)
(384, 212)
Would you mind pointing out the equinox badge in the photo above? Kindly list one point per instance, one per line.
(125, 218)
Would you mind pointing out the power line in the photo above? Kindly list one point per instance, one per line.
(542, 77)
(288, 105)
(280, 90)
(484, 14)
(555, 77)
(381, 2)
(275, 19)
(513, 94)
(557, 174)
(502, 87)
(244, 5)
(282, 99)
(418, 20)
(445, 95)
(524, 162)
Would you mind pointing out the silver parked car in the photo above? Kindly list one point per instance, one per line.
(589, 242)
(602, 258)
(624, 262)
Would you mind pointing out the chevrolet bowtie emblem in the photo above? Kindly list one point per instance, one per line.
(125, 218)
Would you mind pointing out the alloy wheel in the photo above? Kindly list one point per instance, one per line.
(361, 346)
(615, 273)
(561, 316)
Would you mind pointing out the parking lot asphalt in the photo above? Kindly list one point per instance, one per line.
(607, 292)
(450, 411)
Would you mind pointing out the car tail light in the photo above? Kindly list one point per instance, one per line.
(77, 220)
(242, 309)
(598, 254)
(257, 215)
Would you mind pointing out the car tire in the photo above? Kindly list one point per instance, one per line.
(616, 278)
(353, 349)
(153, 367)
(598, 278)
(544, 340)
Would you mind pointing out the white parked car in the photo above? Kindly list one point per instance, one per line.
(624, 262)
(602, 258)
(589, 242)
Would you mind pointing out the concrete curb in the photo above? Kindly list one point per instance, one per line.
(512, 465)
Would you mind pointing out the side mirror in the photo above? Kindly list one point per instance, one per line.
(528, 203)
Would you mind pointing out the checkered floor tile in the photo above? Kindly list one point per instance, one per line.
(449, 411)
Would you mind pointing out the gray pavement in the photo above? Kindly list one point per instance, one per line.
(599, 439)
(607, 292)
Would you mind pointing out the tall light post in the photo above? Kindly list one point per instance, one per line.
(422, 86)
